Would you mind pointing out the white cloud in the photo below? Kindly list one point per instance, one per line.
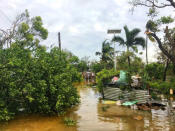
(88, 20)
(55, 28)
(74, 30)
(54, 4)
(99, 27)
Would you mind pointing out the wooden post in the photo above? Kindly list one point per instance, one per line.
(59, 40)
(171, 91)
(103, 93)
(59, 43)
(148, 88)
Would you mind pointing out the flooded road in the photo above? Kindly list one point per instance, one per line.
(92, 115)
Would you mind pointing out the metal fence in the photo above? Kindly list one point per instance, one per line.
(112, 93)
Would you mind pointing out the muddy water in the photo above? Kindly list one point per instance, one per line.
(92, 115)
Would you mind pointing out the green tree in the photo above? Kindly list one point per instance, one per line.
(83, 64)
(132, 40)
(155, 71)
(136, 63)
(96, 66)
(106, 55)
(25, 31)
(154, 26)
(32, 79)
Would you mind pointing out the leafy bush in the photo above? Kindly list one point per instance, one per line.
(97, 66)
(162, 87)
(33, 80)
(155, 70)
(36, 81)
(104, 77)
(136, 63)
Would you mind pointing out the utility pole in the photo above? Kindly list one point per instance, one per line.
(59, 40)
(115, 60)
(146, 49)
(59, 43)
(114, 31)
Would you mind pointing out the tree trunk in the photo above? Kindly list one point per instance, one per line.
(172, 3)
(165, 52)
(165, 70)
(129, 61)
(146, 49)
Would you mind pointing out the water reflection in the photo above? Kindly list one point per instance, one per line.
(92, 115)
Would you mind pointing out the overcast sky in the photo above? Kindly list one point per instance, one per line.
(83, 23)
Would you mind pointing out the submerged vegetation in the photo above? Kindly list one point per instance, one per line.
(69, 121)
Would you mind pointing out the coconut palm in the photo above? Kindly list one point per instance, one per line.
(132, 40)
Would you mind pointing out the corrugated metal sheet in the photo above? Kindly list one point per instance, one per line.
(113, 93)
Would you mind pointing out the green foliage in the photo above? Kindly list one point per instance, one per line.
(154, 71)
(32, 79)
(36, 81)
(24, 27)
(172, 80)
(152, 12)
(152, 26)
(69, 121)
(25, 31)
(123, 88)
(97, 66)
(132, 41)
(38, 26)
(136, 63)
(104, 77)
(162, 87)
(5, 115)
(29, 29)
(106, 55)
(82, 66)
(39, 83)
(166, 20)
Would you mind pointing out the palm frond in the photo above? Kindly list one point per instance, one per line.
(135, 48)
(118, 39)
(127, 32)
(104, 41)
(135, 32)
(139, 41)
(97, 53)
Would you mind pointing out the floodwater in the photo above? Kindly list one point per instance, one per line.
(92, 115)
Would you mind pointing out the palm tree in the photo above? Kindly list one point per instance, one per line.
(132, 40)
(106, 53)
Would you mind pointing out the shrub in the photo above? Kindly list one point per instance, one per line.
(162, 87)
(104, 77)
(36, 81)
(155, 71)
